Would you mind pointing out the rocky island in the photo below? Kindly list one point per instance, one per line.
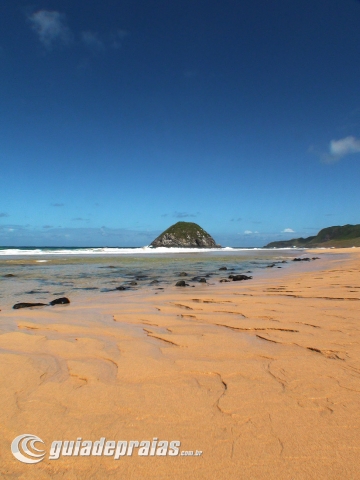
(185, 235)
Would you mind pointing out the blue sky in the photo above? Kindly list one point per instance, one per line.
(119, 118)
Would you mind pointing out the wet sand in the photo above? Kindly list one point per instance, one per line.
(262, 376)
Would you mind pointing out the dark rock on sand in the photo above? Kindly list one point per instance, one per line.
(276, 263)
(120, 288)
(133, 283)
(32, 292)
(183, 274)
(223, 268)
(306, 259)
(154, 282)
(237, 278)
(60, 301)
(9, 275)
(202, 280)
(28, 305)
(181, 283)
(224, 280)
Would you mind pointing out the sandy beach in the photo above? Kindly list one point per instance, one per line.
(260, 376)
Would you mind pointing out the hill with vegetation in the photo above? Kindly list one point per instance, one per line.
(338, 236)
(185, 235)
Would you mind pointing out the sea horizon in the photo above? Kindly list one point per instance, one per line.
(60, 250)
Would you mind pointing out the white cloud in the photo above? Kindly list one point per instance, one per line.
(51, 27)
(117, 38)
(248, 232)
(345, 146)
(341, 148)
(184, 214)
(92, 40)
(288, 230)
(19, 235)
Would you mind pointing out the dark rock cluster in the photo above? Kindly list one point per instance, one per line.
(305, 259)
(237, 278)
(56, 301)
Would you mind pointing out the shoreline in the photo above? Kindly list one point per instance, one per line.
(259, 375)
(25, 279)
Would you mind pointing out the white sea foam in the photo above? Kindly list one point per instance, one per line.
(127, 251)
(110, 251)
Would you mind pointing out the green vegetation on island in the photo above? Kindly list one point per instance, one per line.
(185, 235)
(337, 236)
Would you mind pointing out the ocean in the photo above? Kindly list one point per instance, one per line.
(40, 274)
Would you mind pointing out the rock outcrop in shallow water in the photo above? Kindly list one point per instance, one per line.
(60, 301)
(185, 235)
(237, 278)
(28, 305)
(57, 301)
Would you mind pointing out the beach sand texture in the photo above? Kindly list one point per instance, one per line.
(261, 376)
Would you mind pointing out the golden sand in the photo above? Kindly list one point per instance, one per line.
(261, 376)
